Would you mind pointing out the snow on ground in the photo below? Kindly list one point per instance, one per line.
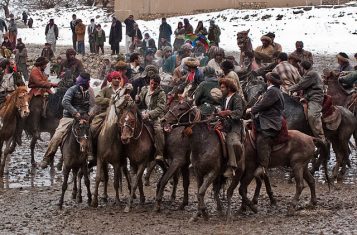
(324, 30)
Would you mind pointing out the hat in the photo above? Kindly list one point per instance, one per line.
(156, 78)
(274, 78)
(149, 52)
(227, 65)
(343, 57)
(229, 83)
(83, 79)
(114, 74)
(121, 65)
(209, 72)
(265, 38)
(270, 34)
(41, 61)
(192, 62)
(150, 71)
(166, 48)
(70, 51)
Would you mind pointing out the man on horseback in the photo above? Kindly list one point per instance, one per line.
(40, 87)
(312, 86)
(9, 79)
(76, 103)
(152, 100)
(344, 62)
(268, 112)
(232, 112)
(71, 64)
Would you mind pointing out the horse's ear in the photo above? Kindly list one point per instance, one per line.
(248, 31)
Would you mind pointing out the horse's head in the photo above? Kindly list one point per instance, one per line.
(330, 76)
(178, 113)
(252, 91)
(242, 38)
(80, 130)
(128, 123)
(22, 101)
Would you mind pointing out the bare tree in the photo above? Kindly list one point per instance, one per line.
(5, 5)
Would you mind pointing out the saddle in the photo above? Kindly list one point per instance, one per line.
(222, 139)
(279, 141)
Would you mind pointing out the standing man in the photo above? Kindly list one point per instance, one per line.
(165, 32)
(129, 23)
(115, 36)
(152, 100)
(3, 28)
(21, 58)
(24, 17)
(91, 31)
(51, 33)
(12, 31)
(268, 112)
(80, 33)
(73, 28)
(302, 54)
(232, 113)
(214, 34)
(312, 86)
(188, 27)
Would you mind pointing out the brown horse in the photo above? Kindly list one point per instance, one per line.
(15, 108)
(74, 150)
(296, 153)
(138, 147)
(244, 43)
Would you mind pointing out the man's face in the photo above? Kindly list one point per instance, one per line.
(72, 56)
(299, 46)
(74, 17)
(153, 85)
(59, 61)
(168, 54)
(219, 58)
(115, 81)
(149, 58)
(265, 43)
(224, 90)
(131, 17)
(147, 36)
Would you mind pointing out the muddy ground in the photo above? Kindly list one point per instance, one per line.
(29, 197)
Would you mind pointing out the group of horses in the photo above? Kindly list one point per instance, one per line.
(189, 140)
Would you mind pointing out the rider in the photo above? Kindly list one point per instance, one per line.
(76, 103)
(232, 112)
(152, 100)
(312, 86)
(9, 79)
(40, 87)
(72, 64)
(344, 62)
(269, 115)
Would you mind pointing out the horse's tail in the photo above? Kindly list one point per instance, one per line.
(324, 155)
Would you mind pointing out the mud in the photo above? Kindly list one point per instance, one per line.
(29, 197)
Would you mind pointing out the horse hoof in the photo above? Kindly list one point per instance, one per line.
(74, 196)
(94, 203)
(79, 200)
(182, 206)
(127, 209)
(255, 201)
(253, 208)
(142, 201)
(242, 210)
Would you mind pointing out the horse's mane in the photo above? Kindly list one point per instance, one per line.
(10, 101)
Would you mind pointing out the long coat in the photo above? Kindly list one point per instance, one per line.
(115, 35)
(237, 106)
(99, 37)
(270, 109)
(80, 32)
(39, 83)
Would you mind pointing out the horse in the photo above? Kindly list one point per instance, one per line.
(110, 150)
(15, 108)
(38, 122)
(244, 43)
(138, 147)
(74, 150)
(206, 153)
(296, 153)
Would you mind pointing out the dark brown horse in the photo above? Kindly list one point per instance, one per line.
(296, 153)
(138, 147)
(74, 150)
(15, 108)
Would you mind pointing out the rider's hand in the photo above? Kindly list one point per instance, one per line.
(126, 97)
(77, 115)
(249, 110)
(145, 115)
(225, 113)
(137, 98)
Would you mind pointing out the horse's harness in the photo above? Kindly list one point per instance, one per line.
(23, 105)
(75, 133)
(178, 118)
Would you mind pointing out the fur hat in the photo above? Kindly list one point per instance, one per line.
(209, 72)
(227, 65)
(156, 78)
(343, 57)
(150, 71)
(70, 51)
(41, 61)
(192, 62)
(274, 78)
(121, 65)
(266, 38)
(270, 34)
(229, 83)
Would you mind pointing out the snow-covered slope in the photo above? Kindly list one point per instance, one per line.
(324, 30)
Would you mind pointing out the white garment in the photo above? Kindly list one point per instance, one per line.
(227, 101)
(1, 37)
(127, 44)
(213, 64)
(8, 83)
(51, 37)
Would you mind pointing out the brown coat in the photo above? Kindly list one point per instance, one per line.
(39, 83)
(80, 32)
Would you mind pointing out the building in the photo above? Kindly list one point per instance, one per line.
(147, 7)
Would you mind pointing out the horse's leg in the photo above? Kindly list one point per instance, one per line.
(1, 152)
(174, 186)
(150, 168)
(97, 182)
(345, 152)
(336, 168)
(141, 191)
(258, 186)
(66, 172)
(6, 153)
(106, 179)
(243, 190)
(311, 182)
(299, 180)
(135, 182)
(79, 193)
(128, 179)
(85, 173)
(207, 181)
(116, 182)
(199, 180)
(232, 186)
(162, 183)
(185, 183)
(217, 185)
(75, 189)
(269, 190)
(32, 147)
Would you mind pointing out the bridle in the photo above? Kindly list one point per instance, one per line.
(178, 118)
(75, 133)
(26, 105)
(133, 128)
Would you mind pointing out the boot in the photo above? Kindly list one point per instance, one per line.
(229, 173)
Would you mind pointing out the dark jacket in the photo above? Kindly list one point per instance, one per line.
(237, 106)
(165, 31)
(157, 105)
(345, 67)
(203, 96)
(115, 34)
(55, 29)
(129, 27)
(349, 80)
(75, 101)
(73, 26)
(3, 25)
(270, 110)
(312, 86)
(47, 53)
(138, 84)
(151, 46)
